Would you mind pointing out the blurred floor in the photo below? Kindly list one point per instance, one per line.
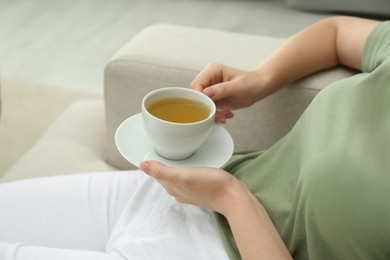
(67, 43)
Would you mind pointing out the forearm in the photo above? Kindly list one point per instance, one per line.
(326, 44)
(310, 50)
(253, 231)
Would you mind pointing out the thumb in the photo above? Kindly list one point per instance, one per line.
(221, 90)
(155, 169)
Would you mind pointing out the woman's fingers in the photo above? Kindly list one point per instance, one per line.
(221, 91)
(155, 169)
(222, 116)
(161, 172)
(210, 75)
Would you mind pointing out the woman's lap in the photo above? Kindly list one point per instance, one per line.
(154, 226)
(122, 214)
(74, 211)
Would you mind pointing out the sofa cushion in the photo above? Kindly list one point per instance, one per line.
(367, 7)
(74, 143)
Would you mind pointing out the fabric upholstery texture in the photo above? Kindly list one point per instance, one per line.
(368, 7)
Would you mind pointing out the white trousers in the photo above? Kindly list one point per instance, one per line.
(102, 216)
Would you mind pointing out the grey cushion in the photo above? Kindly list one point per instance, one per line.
(357, 7)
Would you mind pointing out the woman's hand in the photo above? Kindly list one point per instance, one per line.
(215, 189)
(210, 188)
(230, 88)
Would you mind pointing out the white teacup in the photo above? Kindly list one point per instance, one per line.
(172, 138)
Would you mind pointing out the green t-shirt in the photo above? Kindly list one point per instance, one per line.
(326, 184)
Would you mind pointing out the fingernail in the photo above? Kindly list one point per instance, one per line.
(145, 167)
(209, 92)
(220, 120)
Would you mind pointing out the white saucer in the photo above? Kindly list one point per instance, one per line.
(133, 143)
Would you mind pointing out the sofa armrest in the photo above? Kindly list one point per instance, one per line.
(167, 55)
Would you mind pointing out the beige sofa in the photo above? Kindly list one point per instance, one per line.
(82, 138)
